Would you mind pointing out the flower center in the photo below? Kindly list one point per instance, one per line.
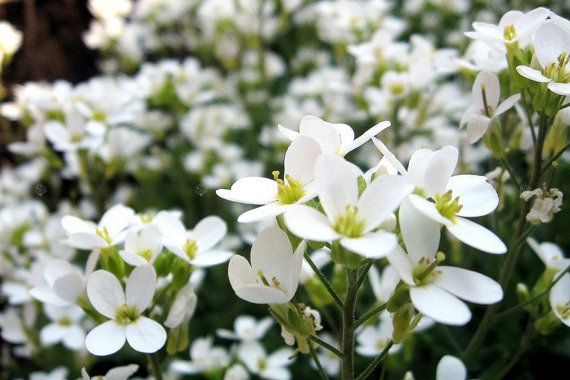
(348, 224)
(190, 247)
(557, 70)
(288, 191)
(274, 281)
(104, 234)
(425, 272)
(262, 364)
(126, 314)
(64, 321)
(447, 205)
(510, 32)
(564, 310)
(146, 218)
(145, 254)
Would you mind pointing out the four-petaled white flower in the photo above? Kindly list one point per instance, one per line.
(195, 246)
(273, 366)
(552, 50)
(273, 275)
(436, 290)
(276, 195)
(247, 328)
(124, 308)
(333, 138)
(64, 283)
(64, 327)
(349, 218)
(485, 93)
(117, 373)
(453, 198)
(142, 247)
(111, 230)
(204, 358)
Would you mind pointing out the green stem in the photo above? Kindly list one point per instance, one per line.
(347, 371)
(325, 282)
(368, 315)
(324, 344)
(154, 366)
(372, 366)
(511, 172)
(318, 363)
(364, 272)
(555, 157)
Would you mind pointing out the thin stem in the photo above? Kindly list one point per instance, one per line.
(525, 340)
(529, 118)
(364, 272)
(369, 315)
(555, 157)
(324, 344)
(451, 338)
(347, 326)
(154, 366)
(372, 366)
(318, 363)
(325, 282)
(511, 172)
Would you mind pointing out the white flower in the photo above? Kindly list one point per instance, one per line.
(479, 116)
(514, 26)
(64, 283)
(273, 275)
(451, 368)
(108, 9)
(372, 340)
(552, 50)
(236, 372)
(266, 366)
(204, 358)
(195, 246)
(142, 247)
(183, 307)
(10, 41)
(349, 218)
(383, 286)
(247, 328)
(277, 195)
(546, 204)
(110, 230)
(453, 199)
(117, 373)
(125, 312)
(436, 290)
(59, 373)
(550, 254)
(64, 327)
(333, 138)
(560, 299)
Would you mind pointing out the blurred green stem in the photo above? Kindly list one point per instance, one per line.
(348, 326)
(154, 366)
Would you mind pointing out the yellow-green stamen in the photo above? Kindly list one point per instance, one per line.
(104, 234)
(190, 248)
(288, 191)
(447, 206)
(425, 271)
(126, 314)
(348, 224)
(564, 310)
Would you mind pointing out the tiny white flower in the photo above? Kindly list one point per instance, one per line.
(110, 230)
(333, 138)
(436, 290)
(273, 275)
(124, 308)
(236, 372)
(485, 95)
(247, 328)
(273, 366)
(372, 340)
(197, 246)
(451, 368)
(117, 373)
(546, 204)
(204, 358)
(65, 327)
(275, 196)
(63, 284)
(349, 218)
(142, 247)
(183, 307)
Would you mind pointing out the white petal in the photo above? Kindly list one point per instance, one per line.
(532, 74)
(261, 294)
(272, 254)
(372, 245)
(170, 227)
(69, 286)
(560, 296)
(477, 125)
(310, 224)
(366, 136)
(83, 240)
(280, 358)
(507, 104)
(560, 88)
(336, 183)
(476, 236)
(291, 135)
(476, 195)
(105, 293)
(210, 258)
(121, 373)
(145, 335)
(417, 166)
(132, 258)
(381, 198)
(55, 269)
(208, 232)
(489, 81)
(390, 156)
(46, 294)
(322, 132)
(403, 265)
(72, 224)
(440, 305)
(428, 209)
(251, 190)
(240, 273)
(105, 339)
(140, 287)
(421, 234)
(52, 334)
(451, 368)
(468, 285)
(549, 41)
(260, 213)
(117, 218)
(74, 338)
(439, 170)
(300, 158)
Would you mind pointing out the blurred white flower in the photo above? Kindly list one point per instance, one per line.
(142, 247)
(65, 327)
(450, 368)
(117, 373)
(247, 328)
(272, 366)
(10, 41)
(204, 357)
(372, 340)
(183, 307)
(560, 299)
